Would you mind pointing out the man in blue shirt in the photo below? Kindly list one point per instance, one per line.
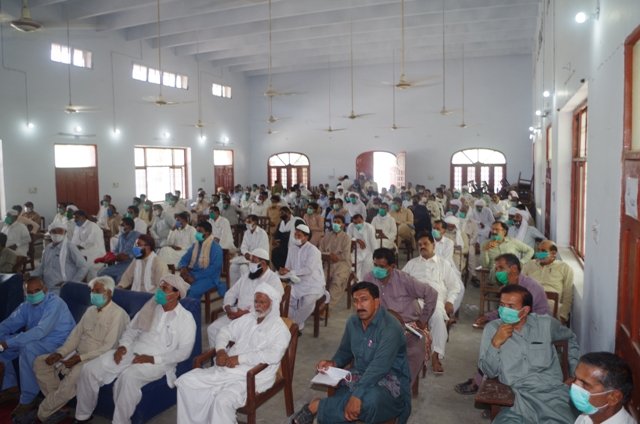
(201, 265)
(123, 250)
(378, 387)
(47, 322)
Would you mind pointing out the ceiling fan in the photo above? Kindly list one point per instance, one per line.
(353, 115)
(70, 108)
(394, 126)
(272, 92)
(330, 128)
(159, 100)
(77, 133)
(25, 23)
(404, 83)
(463, 124)
(273, 119)
(199, 124)
(444, 111)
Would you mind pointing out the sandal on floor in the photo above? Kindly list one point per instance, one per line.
(467, 388)
(303, 416)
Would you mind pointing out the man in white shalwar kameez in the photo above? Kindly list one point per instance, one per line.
(238, 300)
(304, 270)
(365, 236)
(180, 239)
(483, 216)
(441, 275)
(254, 238)
(213, 395)
(386, 226)
(160, 336)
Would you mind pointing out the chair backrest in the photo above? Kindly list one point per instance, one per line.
(562, 347)
(326, 261)
(264, 222)
(284, 302)
(555, 298)
(224, 272)
(354, 263)
(288, 363)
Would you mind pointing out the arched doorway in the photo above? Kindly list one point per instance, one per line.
(384, 167)
(479, 167)
(290, 168)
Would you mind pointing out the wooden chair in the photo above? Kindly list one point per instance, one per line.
(498, 395)
(317, 315)
(284, 377)
(29, 264)
(224, 275)
(106, 235)
(353, 277)
(488, 292)
(264, 222)
(415, 387)
(555, 298)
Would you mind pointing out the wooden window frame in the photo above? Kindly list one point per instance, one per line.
(577, 238)
(185, 167)
(298, 169)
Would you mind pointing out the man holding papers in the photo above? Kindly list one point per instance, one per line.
(376, 389)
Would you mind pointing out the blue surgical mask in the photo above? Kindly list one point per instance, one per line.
(359, 227)
(379, 272)
(109, 213)
(436, 234)
(502, 277)
(509, 315)
(382, 212)
(178, 224)
(496, 237)
(580, 398)
(35, 298)
(336, 228)
(541, 256)
(160, 297)
(137, 252)
(98, 299)
(200, 237)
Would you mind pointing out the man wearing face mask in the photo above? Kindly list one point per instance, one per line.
(89, 239)
(412, 299)
(139, 225)
(339, 209)
(518, 349)
(146, 269)
(230, 211)
(160, 226)
(180, 238)
(18, 237)
(221, 229)
(386, 228)
(101, 217)
(146, 211)
(260, 205)
(38, 325)
(553, 274)
(61, 261)
(444, 246)
(123, 250)
(435, 208)
(314, 219)
(522, 231)
(283, 238)
(98, 331)
(355, 205)
(304, 269)
(238, 300)
(160, 336)
(484, 218)
(364, 235)
(336, 251)
(32, 226)
(173, 206)
(404, 221)
(602, 386)
(460, 239)
(29, 213)
(499, 244)
(254, 238)
(201, 264)
(212, 395)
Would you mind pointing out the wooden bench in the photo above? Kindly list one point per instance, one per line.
(497, 395)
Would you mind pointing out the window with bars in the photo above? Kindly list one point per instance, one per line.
(579, 181)
(220, 90)
(292, 168)
(160, 170)
(70, 55)
(155, 76)
(478, 166)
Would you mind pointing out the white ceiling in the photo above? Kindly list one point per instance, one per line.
(306, 33)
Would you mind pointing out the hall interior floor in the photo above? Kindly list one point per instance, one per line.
(437, 402)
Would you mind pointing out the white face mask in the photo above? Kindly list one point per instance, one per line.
(297, 242)
(253, 267)
(57, 238)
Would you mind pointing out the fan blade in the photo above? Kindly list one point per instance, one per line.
(354, 115)
(275, 93)
(75, 135)
(331, 129)
(71, 108)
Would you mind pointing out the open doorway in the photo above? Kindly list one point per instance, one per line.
(386, 168)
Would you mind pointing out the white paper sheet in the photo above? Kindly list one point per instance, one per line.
(631, 198)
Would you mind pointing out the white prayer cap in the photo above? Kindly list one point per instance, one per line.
(12, 212)
(72, 207)
(57, 225)
(512, 193)
(177, 282)
(273, 294)
(105, 280)
(304, 228)
(480, 202)
(523, 213)
(260, 253)
(339, 187)
(456, 202)
(451, 220)
(513, 211)
(353, 193)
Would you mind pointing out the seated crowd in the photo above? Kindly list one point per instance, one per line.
(256, 248)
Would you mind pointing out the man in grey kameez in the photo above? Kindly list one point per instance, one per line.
(518, 349)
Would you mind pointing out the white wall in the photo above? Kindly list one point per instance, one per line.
(593, 52)
(498, 106)
(28, 155)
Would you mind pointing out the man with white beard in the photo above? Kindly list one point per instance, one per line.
(365, 236)
(261, 337)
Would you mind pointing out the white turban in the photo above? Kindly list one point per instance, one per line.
(480, 202)
(275, 297)
(513, 211)
(57, 225)
(452, 220)
(456, 202)
(177, 282)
